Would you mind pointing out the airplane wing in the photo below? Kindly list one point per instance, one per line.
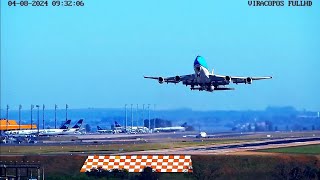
(186, 79)
(189, 136)
(237, 79)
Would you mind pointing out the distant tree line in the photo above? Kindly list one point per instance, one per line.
(147, 174)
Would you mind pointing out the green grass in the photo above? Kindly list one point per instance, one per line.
(309, 149)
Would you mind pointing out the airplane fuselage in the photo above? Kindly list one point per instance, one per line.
(202, 75)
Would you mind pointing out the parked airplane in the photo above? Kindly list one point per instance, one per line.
(169, 129)
(203, 80)
(100, 130)
(117, 128)
(27, 132)
(75, 129)
(137, 129)
(130, 129)
(53, 132)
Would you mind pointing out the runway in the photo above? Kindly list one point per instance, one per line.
(167, 143)
(237, 147)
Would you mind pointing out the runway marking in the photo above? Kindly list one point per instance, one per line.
(237, 147)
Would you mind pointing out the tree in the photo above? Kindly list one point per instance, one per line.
(106, 174)
(204, 171)
(148, 174)
(294, 171)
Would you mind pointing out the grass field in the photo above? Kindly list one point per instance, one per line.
(102, 148)
(204, 167)
(309, 149)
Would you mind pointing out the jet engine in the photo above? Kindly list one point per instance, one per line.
(228, 78)
(160, 80)
(210, 88)
(249, 80)
(198, 68)
(177, 78)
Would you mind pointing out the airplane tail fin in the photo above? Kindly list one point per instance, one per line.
(99, 128)
(184, 124)
(65, 125)
(117, 124)
(78, 125)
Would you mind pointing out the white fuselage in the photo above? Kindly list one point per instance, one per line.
(202, 75)
(169, 129)
(202, 135)
(137, 129)
(43, 132)
(52, 132)
(71, 131)
(21, 132)
(104, 131)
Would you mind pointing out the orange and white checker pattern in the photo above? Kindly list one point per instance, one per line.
(136, 163)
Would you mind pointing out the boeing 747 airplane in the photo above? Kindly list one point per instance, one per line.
(75, 129)
(64, 127)
(203, 80)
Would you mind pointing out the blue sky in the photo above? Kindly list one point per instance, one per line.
(96, 55)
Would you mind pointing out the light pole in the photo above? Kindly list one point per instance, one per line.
(55, 116)
(143, 115)
(43, 116)
(154, 116)
(20, 107)
(7, 123)
(126, 123)
(149, 117)
(67, 112)
(32, 106)
(38, 118)
(131, 117)
(137, 115)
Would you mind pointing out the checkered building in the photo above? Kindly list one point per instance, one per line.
(136, 163)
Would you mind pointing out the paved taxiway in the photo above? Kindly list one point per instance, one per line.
(238, 142)
(236, 147)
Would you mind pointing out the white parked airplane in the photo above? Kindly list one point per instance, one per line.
(170, 129)
(100, 130)
(27, 132)
(203, 80)
(75, 129)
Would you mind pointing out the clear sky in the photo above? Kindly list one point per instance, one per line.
(96, 55)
